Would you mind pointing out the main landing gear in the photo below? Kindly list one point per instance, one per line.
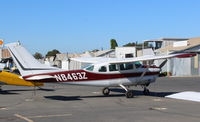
(128, 94)
(106, 91)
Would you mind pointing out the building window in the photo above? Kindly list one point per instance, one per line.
(130, 55)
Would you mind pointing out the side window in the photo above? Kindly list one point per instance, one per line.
(103, 69)
(127, 66)
(113, 67)
(122, 67)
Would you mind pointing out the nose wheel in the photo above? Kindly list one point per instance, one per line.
(129, 93)
(106, 91)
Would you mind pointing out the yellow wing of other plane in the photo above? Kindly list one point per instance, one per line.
(7, 78)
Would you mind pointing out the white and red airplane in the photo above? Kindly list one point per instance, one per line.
(113, 72)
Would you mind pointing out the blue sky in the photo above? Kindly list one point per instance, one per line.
(80, 25)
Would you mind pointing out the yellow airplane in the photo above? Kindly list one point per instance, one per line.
(7, 78)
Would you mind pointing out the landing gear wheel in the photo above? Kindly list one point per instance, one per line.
(129, 94)
(146, 91)
(106, 91)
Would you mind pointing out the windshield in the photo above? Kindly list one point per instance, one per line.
(90, 68)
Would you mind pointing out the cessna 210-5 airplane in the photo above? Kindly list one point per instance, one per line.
(110, 73)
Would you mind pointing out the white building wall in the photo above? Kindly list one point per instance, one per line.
(65, 65)
(120, 52)
(148, 51)
(167, 43)
(181, 66)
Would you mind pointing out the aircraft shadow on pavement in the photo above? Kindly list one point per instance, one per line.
(96, 96)
(63, 98)
(121, 91)
(45, 89)
(140, 93)
(7, 92)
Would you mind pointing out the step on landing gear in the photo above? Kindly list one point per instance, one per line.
(129, 93)
(106, 91)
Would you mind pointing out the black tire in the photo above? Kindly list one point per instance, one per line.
(129, 94)
(106, 91)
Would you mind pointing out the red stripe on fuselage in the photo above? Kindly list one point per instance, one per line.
(82, 75)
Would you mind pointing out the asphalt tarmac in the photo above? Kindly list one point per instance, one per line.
(65, 103)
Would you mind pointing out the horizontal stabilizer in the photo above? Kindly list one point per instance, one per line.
(40, 77)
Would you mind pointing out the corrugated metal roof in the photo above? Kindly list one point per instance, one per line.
(166, 39)
(5, 53)
(192, 42)
(65, 56)
(102, 52)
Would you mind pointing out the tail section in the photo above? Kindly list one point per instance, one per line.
(25, 62)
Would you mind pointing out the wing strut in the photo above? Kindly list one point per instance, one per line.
(163, 63)
(144, 73)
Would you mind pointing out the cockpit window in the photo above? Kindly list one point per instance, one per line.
(126, 66)
(103, 69)
(113, 67)
(90, 68)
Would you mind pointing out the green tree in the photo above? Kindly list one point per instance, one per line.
(52, 53)
(38, 55)
(113, 44)
(130, 45)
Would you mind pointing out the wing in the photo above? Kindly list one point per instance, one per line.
(127, 60)
(92, 60)
(150, 58)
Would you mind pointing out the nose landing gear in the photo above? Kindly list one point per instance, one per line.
(129, 93)
(146, 91)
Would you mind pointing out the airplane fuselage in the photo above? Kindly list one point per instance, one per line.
(84, 77)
